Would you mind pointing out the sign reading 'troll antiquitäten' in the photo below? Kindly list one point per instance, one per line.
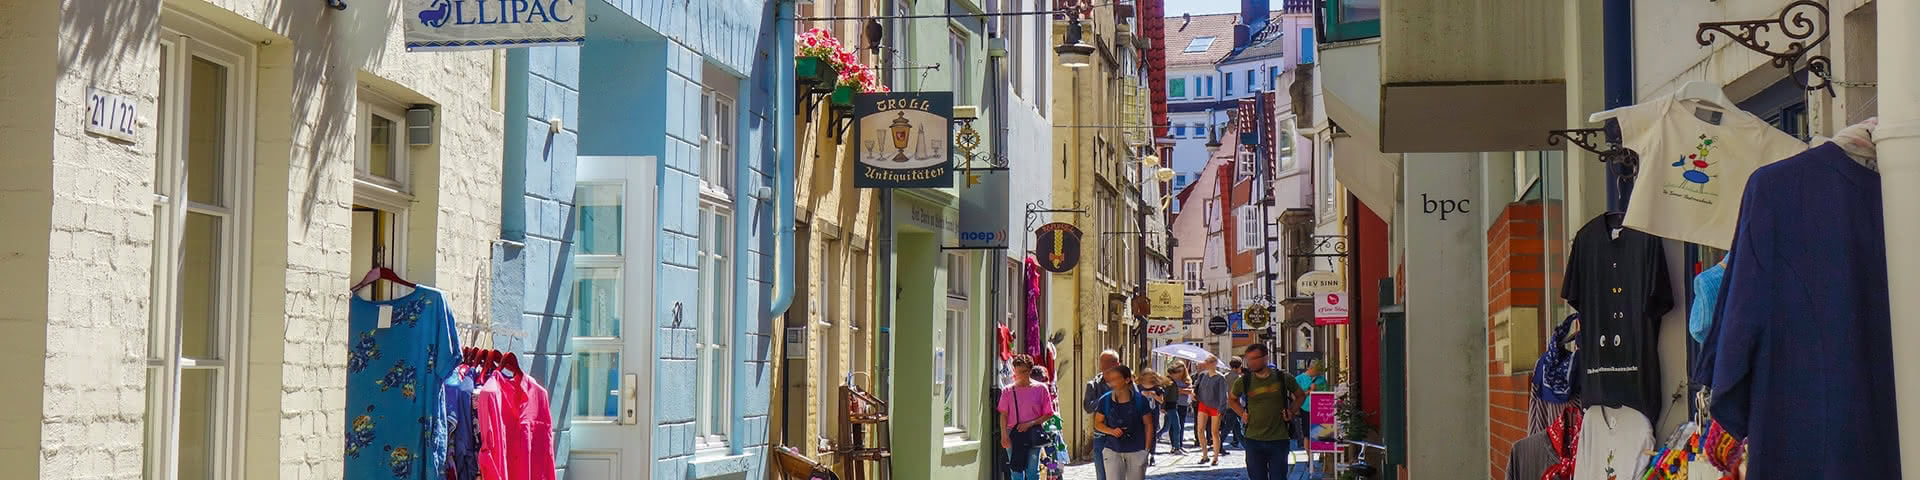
(902, 140)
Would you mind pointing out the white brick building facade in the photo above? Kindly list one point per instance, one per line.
(245, 377)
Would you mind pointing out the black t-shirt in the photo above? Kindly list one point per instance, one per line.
(1618, 282)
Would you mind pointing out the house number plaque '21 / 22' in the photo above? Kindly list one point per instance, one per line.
(111, 116)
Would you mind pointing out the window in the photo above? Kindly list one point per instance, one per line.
(199, 283)
(957, 47)
(1244, 165)
(1246, 293)
(1176, 87)
(1213, 213)
(1323, 179)
(1252, 85)
(1043, 33)
(1306, 45)
(1229, 82)
(713, 360)
(1192, 266)
(1351, 19)
(1209, 85)
(717, 139)
(831, 273)
(952, 359)
(1198, 45)
(1273, 78)
(381, 191)
(1179, 131)
(1250, 227)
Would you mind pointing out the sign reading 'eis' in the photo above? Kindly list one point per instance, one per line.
(902, 140)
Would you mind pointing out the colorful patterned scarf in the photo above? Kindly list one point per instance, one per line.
(1564, 435)
(1553, 374)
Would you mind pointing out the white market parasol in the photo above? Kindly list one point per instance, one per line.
(1185, 351)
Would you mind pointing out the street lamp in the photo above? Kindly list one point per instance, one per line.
(1073, 52)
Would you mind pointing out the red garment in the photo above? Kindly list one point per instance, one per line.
(515, 427)
(1006, 343)
(1564, 435)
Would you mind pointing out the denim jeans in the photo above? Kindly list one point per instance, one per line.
(1267, 460)
(1099, 459)
(1030, 471)
(1231, 429)
(1176, 426)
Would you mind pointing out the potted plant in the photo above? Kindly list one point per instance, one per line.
(856, 78)
(820, 58)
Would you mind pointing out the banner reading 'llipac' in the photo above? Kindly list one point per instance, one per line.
(903, 140)
(477, 24)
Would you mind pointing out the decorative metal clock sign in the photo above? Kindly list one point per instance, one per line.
(903, 140)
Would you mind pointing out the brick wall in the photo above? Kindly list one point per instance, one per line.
(1516, 284)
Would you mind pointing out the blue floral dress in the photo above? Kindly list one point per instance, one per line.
(400, 351)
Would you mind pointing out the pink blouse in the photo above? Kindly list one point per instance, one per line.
(1024, 404)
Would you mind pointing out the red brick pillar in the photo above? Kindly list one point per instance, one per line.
(1517, 287)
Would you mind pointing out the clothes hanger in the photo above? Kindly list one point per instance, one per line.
(380, 272)
(511, 363)
(1699, 91)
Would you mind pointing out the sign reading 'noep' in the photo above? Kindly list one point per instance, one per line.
(901, 140)
(476, 24)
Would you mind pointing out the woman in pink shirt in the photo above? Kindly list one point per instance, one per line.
(1024, 405)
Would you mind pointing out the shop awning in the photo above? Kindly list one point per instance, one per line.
(1371, 176)
(1353, 103)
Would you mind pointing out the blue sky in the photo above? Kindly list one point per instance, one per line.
(1197, 7)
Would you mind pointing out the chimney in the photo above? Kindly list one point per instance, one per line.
(1254, 12)
(1185, 18)
(1241, 35)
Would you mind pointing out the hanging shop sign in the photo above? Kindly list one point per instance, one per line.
(983, 208)
(477, 24)
(1330, 308)
(1165, 329)
(1058, 246)
(1217, 325)
(902, 139)
(1319, 281)
(1257, 317)
(1142, 306)
(1169, 299)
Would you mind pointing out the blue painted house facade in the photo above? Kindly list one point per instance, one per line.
(643, 209)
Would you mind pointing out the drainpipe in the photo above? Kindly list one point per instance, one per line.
(1897, 142)
(1617, 91)
(779, 116)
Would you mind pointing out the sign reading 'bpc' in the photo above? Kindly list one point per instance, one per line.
(902, 140)
(481, 24)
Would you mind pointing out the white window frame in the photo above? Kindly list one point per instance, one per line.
(955, 346)
(713, 387)
(1199, 44)
(184, 39)
(719, 137)
(1193, 268)
(1249, 217)
(957, 48)
(391, 197)
(374, 105)
(1244, 166)
(831, 271)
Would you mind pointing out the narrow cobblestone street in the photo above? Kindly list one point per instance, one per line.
(1168, 466)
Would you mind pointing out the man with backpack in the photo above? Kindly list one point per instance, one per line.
(1267, 401)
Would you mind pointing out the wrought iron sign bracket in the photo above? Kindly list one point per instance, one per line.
(1038, 207)
(1624, 161)
(842, 122)
(1805, 25)
(1336, 243)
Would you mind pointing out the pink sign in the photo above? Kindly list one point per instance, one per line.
(1323, 426)
(1330, 308)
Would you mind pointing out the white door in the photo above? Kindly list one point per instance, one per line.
(613, 252)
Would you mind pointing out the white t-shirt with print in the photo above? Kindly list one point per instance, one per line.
(1692, 170)
(1615, 444)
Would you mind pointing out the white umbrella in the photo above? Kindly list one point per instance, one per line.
(1185, 351)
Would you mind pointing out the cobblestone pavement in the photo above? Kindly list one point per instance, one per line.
(1188, 467)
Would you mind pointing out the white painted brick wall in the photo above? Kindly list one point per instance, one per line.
(102, 237)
